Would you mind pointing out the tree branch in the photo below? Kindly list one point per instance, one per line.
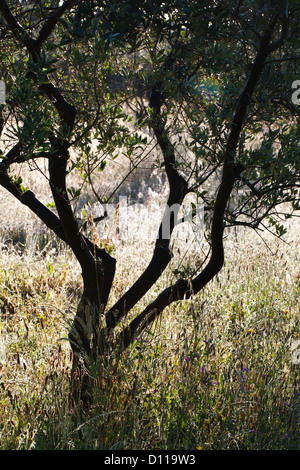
(161, 255)
(183, 288)
(52, 21)
(17, 29)
(29, 199)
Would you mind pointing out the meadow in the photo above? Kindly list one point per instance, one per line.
(219, 371)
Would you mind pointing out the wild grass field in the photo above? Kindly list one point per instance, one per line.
(219, 371)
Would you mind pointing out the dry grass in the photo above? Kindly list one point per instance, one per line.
(215, 372)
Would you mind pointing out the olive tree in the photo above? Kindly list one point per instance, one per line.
(211, 82)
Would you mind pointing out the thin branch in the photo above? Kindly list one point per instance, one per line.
(52, 21)
(283, 59)
(17, 29)
(279, 43)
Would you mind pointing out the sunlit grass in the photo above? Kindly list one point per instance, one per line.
(215, 372)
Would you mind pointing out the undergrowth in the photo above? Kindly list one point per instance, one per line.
(217, 372)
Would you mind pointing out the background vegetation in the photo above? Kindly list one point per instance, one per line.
(217, 372)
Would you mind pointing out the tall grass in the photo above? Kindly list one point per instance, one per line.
(215, 372)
